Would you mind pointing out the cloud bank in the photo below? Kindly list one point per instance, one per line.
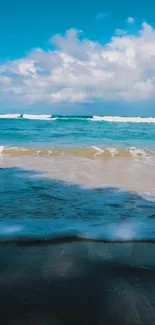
(78, 70)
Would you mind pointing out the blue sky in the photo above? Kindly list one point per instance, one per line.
(26, 24)
(105, 69)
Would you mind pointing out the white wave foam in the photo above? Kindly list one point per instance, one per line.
(74, 118)
(1, 149)
(99, 151)
(10, 115)
(94, 118)
(148, 196)
(137, 152)
(124, 119)
(113, 151)
(41, 117)
(36, 117)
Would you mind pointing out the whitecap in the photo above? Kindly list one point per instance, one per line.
(10, 116)
(36, 117)
(121, 119)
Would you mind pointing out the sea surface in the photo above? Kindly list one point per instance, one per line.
(77, 220)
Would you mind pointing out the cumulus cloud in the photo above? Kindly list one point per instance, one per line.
(79, 70)
(130, 20)
(120, 32)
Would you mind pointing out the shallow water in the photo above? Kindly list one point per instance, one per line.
(73, 284)
(65, 281)
(77, 229)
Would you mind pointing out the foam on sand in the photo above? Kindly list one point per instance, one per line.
(1, 149)
(85, 152)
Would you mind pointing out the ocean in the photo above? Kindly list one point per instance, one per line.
(77, 220)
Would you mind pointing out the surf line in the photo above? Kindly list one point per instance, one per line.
(69, 238)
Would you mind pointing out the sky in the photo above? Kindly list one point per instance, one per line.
(77, 57)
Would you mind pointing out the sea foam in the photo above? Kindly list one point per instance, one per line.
(95, 118)
(124, 119)
(10, 115)
(87, 152)
(36, 117)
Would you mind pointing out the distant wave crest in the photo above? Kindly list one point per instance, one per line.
(121, 119)
(10, 115)
(94, 118)
(36, 117)
(44, 117)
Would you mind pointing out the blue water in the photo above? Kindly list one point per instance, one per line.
(75, 132)
(73, 251)
(26, 196)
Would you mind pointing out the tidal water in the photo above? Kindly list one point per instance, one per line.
(77, 221)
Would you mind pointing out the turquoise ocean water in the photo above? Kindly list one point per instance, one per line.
(83, 152)
(77, 215)
(75, 131)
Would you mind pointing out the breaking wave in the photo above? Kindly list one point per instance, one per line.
(120, 119)
(116, 119)
(36, 117)
(10, 116)
(45, 117)
(35, 231)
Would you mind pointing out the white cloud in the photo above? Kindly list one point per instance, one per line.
(80, 70)
(130, 20)
(120, 32)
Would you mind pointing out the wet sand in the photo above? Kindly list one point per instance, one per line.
(71, 284)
